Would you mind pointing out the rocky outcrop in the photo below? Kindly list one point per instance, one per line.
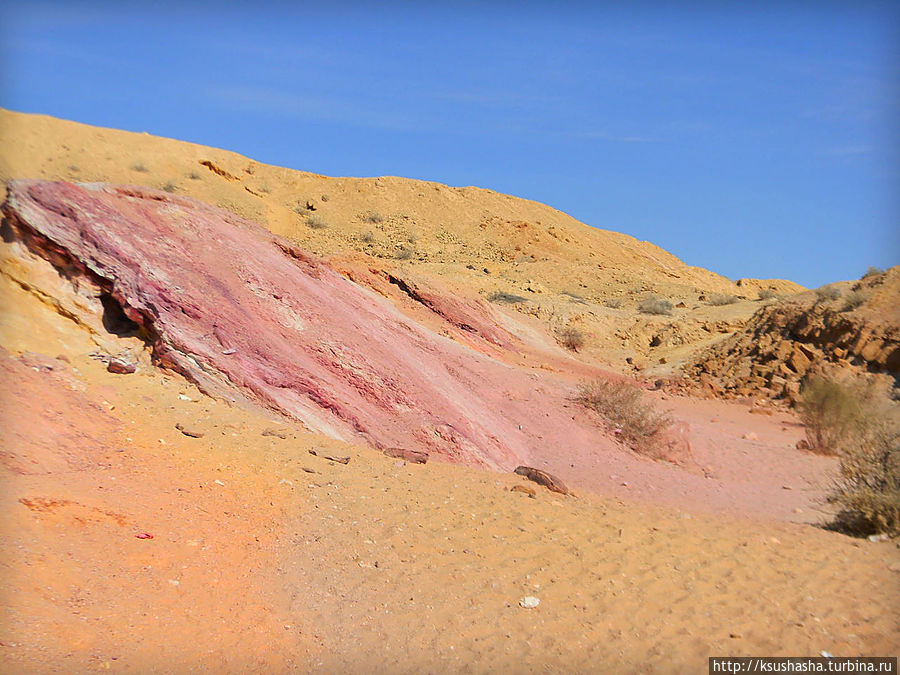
(250, 317)
(782, 343)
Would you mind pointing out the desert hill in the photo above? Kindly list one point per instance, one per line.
(211, 432)
(473, 241)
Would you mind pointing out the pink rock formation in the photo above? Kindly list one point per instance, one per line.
(245, 314)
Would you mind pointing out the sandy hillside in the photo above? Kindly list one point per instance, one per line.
(148, 527)
(565, 273)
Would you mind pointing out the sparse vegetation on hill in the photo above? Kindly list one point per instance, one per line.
(854, 299)
(766, 294)
(719, 299)
(862, 428)
(629, 415)
(654, 305)
(827, 293)
(316, 222)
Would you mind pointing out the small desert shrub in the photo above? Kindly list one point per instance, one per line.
(854, 299)
(265, 189)
(872, 272)
(73, 168)
(830, 411)
(571, 338)
(719, 299)
(861, 428)
(766, 294)
(613, 303)
(316, 222)
(139, 167)
(403, 254)
(171, 186)
(373, 217)
(367, 238)
(654, 305)
(827, 293)
(622, 406)
(193, 175)
(505, 298)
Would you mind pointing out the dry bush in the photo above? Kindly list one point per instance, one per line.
(622, 406)
(719, 299)
(867, 492)
(193, 175)
(139, 167)
(830, 411)
(766, 294)
(505, 298)
(373, 217)
(367, 238)
(171, 186)
(863, 429)
(827, 293)
(872, 272)
(613, 303)
(403, 254)
(571, 338)
(316, 222)
(854, 299)
(654, 305)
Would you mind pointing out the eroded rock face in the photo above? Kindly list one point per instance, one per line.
(783, 343)
(246, 315)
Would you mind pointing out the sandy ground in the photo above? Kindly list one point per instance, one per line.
(266, 558)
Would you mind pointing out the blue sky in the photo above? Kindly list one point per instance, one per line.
(753, 142)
